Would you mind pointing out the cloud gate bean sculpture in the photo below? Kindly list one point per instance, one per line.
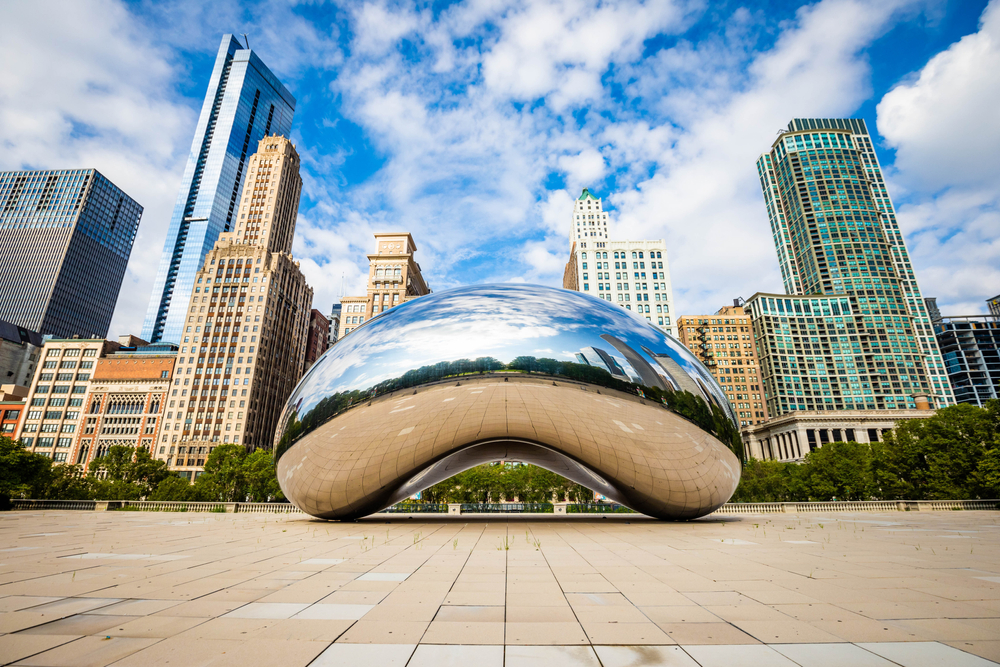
(566, 381)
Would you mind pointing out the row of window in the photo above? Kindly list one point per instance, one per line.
(636, 254)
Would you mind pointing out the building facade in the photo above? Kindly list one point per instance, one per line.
(994, 306)
(19, 353)
(12, 404)
(125, 401)
(244, 336)
(334, 324)
(848, 278)
(724, 343)
(617, 271)
(244, 103)
(791, 436)
(394, 277)
(971, 350)
(55, 402)
(65, 239)
(933, 312)
(319, 337)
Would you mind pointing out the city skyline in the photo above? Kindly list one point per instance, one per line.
(397, 150)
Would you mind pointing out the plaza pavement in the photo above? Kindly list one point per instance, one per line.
(186, 589)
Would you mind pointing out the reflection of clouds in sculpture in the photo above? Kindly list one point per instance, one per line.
(467, 322)
(511, 362)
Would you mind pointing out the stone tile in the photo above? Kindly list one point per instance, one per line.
(431, 655)
(385, 632)
(464, 632)
(402, 612)
(384, 655)
(306, 630)
(384, 576)
(14, 621)
(629, 634)
(984, 649)
(267, 610)
(706, 633)
(70, 606)
(680, 614)
(18, 647)
(334, 612)
(550, 656)
(89, 652)
(136, 607)
(80, 624)
(643, 656)
(470, 613)
(929, 654)
(756, 655)
(562, 614)
(544, 633)
(153, 626)
(22, 602)
(788, 631)
(831, 655)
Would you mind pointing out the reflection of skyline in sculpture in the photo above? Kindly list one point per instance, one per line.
(598, 358)
(647, 375)
(418, 392)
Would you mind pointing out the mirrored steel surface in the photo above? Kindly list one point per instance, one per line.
(570, 382)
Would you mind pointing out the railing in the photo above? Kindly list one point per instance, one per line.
(508, 508)
(268, 508)
(516, 508)
(86, 505)
(598, 508)
(417, 508)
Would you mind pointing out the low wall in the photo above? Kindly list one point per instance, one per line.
(509, 508)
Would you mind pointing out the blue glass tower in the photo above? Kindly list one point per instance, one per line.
(244, 103)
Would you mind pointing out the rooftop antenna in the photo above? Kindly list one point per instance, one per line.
(246, 40)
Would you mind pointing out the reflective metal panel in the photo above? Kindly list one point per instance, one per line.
(572, 383)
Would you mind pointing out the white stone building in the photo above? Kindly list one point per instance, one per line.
(633, 274)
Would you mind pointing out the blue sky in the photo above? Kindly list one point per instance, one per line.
(474, 125)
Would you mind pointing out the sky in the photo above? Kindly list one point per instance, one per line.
(474, 125)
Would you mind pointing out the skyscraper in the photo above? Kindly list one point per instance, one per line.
(394, 277)
(836, 235)
(634, 288)
(65, 239)
(244, 335)
(244, 103)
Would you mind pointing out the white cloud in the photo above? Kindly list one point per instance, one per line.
(85, 87)
(945, 128)
(945, 123)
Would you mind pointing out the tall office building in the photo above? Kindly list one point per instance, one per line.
(244, 335)
(65, 239)
(858, 335)
(641, 280)
(244, 103)
(394, 277)
(724, 343)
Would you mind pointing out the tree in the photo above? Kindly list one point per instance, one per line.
(224, 478)
(260, 477)
(23, 474)
(841, 470)
(770, 482)
(127, 473)
(938, 457)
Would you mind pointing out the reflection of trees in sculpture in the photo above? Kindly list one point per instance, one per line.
(710, 418)
(505, 482)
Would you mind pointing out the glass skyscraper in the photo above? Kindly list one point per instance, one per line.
(870, 343)
(244, 103)
(65, 239)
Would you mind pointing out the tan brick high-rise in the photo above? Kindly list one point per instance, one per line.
(244, 340)
(724, 343)
(394, 277)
